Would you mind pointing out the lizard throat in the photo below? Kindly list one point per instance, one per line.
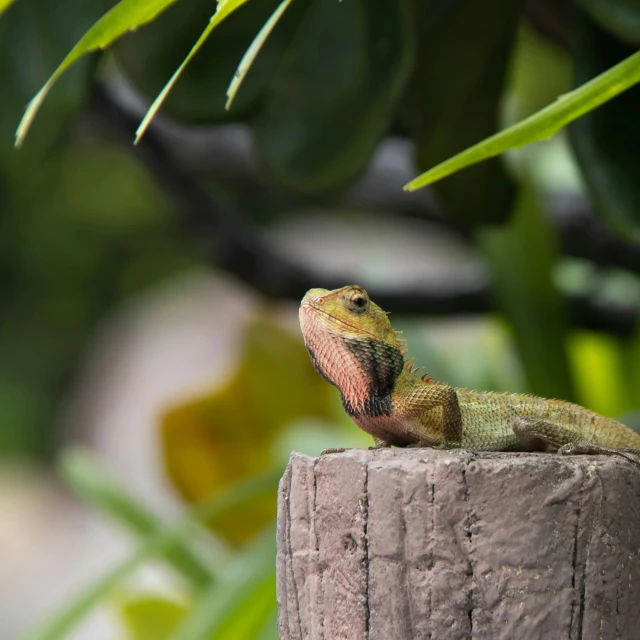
(364, 369)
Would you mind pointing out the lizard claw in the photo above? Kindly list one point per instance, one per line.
(568, 449)
(422, 444)
(577, 448)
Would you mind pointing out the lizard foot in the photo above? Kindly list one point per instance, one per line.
(588, 448)
(379, 443)
(422, 444)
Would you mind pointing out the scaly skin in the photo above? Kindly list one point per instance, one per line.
(354, 347)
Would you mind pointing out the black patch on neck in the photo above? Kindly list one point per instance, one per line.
(381, 364)
(374, 406)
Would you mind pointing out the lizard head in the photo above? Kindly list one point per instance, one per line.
(353, 346)
(348, 312)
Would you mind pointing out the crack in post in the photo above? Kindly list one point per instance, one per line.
(469, 536)
(577, 606)
(408, 612)
(291, 557)
(468, 532)
(366, 560)
(319, 567)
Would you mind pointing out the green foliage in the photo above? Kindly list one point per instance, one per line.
(239, 606)
(160, 541)
(620, 17)
(250, 55)
(452, 83)
(151, 56)
(224, 9)
(83, 226)
(78, 232)
(126, 15)
(4, 5)
(374, 46)
(32, 33)
(607, 140)
(542, 125)
(151, 617)
(600, 375)
(522, 256)
(334, 92)
(97, 488)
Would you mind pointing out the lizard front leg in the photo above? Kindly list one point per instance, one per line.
(378, 443)
(535, 433)
(434, 417)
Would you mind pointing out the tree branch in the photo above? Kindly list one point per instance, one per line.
(235, 246)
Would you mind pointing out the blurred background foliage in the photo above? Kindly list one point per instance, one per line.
(518, 274)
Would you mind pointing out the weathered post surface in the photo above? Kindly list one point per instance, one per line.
(412, 544)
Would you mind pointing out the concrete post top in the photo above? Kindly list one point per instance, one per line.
(420, 543)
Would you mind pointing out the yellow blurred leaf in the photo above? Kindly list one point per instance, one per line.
(4, 5)
(150, 617)
(222, 437)
(598, 371)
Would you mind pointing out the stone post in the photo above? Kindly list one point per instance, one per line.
(412, 544)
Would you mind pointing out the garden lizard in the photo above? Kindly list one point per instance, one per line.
(353, 346)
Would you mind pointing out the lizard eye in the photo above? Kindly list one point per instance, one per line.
(358, 303)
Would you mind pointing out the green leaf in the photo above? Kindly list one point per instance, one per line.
(84, 474)
(606, 141)
(224, 9)
(270, 629)
(236, 496)
(620, 17)
(33, 34)
(604, 393)
(522, 256)
(151, 618)
(151, 55)
(631, 368)
(334, 92)
(543, 124)
(535, 57)
(4, 5)
(238, 607)
(253, 50)
(457, 91)
(126, 15)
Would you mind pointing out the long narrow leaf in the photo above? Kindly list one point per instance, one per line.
(253, 50)
(84, 475)
(543, 124)
(242, 493)
(4, 5)
(225, 9)
(239, 598)
(126, 15)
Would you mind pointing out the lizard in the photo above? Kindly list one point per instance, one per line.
(353, 346)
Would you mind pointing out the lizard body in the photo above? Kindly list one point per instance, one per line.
(354, 347)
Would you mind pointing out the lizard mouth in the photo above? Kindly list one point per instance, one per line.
(338, 321)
